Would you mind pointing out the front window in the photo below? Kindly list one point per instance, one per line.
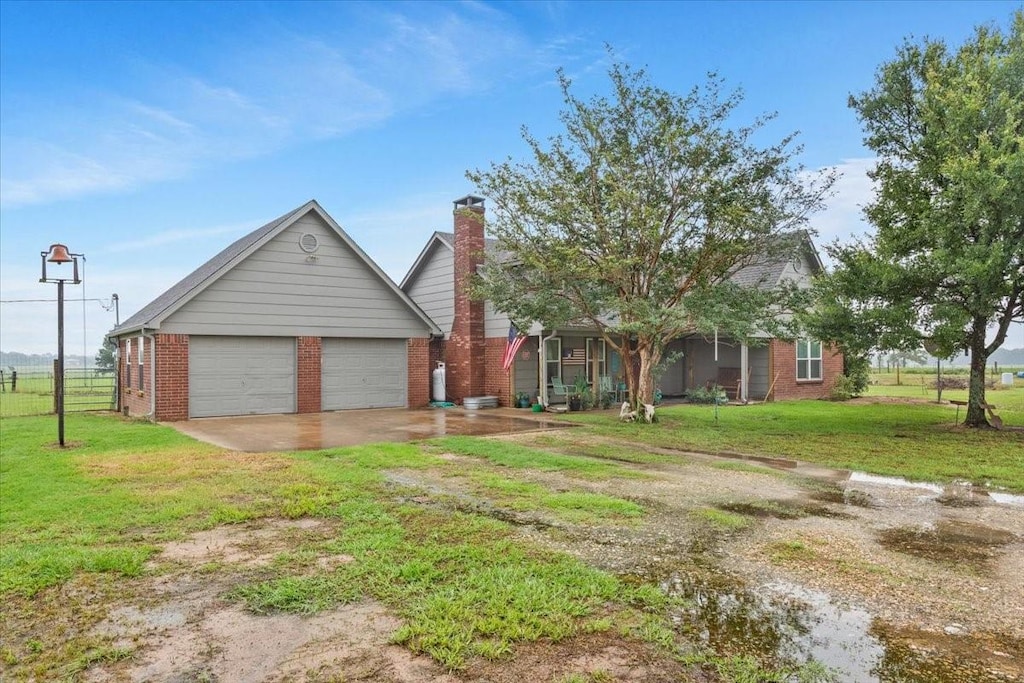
(808, 359)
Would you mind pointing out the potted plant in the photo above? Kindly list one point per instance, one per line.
(579, 390)
(522, 400)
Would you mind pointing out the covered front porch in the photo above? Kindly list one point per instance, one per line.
(551, 365)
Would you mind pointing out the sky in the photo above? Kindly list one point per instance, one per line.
(148, 136)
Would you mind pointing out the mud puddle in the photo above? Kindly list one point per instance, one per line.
(785, 625)
(954, 494)
(948, 541)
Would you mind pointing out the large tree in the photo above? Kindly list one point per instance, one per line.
(635, 219)
(946, 262)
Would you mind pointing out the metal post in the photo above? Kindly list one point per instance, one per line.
(59, 379)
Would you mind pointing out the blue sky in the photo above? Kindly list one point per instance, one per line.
(148, 136)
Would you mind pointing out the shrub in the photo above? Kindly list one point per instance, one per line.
(715, 394)
(950, 383)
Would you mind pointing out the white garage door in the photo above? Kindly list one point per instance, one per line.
(364, 373)
(240, 376)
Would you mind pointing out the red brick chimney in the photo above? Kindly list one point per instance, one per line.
(465, 348)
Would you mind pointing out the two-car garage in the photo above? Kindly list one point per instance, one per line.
(257, 375)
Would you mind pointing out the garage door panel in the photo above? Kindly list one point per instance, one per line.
(364, 373)
(241, 376)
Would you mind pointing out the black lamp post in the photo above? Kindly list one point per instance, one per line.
(58, 255)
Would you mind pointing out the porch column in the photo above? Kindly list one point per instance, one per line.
(744, 371)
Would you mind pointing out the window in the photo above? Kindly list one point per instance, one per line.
(552, 359)
(128, 363)
(140, 354)
(808, 359)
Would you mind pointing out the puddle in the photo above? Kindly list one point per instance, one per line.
(955, 494)
(947, 541)
(781, 509)
(786, 625)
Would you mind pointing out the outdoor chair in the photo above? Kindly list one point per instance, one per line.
(559, 389)
(606, 388)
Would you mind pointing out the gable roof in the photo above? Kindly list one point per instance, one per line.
(156, 311)
(768, 270)
(444, 240)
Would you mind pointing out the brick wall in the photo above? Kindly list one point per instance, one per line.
(496, 380)
(783, 364)
(308, 374)
(420, 367)
(133, 398)
(465, 348)
(171, 377)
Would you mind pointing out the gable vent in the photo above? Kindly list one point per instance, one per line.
(309, 242)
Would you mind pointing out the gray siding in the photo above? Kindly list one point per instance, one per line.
(525, 372)
(673, 380)
(280, 291)
(701, 367)
(757, 361)
(433, 290)
(495, 323)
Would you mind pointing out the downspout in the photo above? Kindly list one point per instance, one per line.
(542, 369)
(744, 371)
(152, 373)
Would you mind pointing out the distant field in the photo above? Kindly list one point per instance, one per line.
(32, 394)
(920, 383)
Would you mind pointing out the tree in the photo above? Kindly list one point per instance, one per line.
(946, 262)
(635, 219)
(106, 358)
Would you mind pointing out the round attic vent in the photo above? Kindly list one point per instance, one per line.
(309, 242)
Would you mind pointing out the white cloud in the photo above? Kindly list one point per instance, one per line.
(173, 236)
(292, 89)
(842, 218)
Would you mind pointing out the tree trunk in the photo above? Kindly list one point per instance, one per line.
(649, 359)
(979, 358)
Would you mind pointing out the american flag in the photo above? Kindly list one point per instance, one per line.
(515, 340)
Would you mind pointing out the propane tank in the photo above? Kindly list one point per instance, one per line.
(438, 391)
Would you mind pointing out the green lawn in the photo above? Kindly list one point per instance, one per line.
(463, 583)
(913, 440)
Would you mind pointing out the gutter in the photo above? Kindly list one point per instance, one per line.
(152, 372)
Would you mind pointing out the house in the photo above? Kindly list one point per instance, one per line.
(475, 335)
(296, 318)
(292, 318)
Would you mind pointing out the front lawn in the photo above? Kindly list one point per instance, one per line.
(913, 440)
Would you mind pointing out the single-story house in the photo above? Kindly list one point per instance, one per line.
(292, 318)
(475, 335)
(296, 318)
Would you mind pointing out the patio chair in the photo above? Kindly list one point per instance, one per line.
(606, 388)
(559, 389)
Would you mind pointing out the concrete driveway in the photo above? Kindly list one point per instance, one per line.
(256, 433)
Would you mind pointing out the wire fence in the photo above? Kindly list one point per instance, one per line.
(31, 390)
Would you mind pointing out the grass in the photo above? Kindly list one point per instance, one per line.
(463, 584)
(916, 441)
(83, 390)
(515, 456)
(920, 383)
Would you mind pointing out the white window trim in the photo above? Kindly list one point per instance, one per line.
(808, 359)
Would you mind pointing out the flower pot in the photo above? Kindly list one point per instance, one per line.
(575, 403)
